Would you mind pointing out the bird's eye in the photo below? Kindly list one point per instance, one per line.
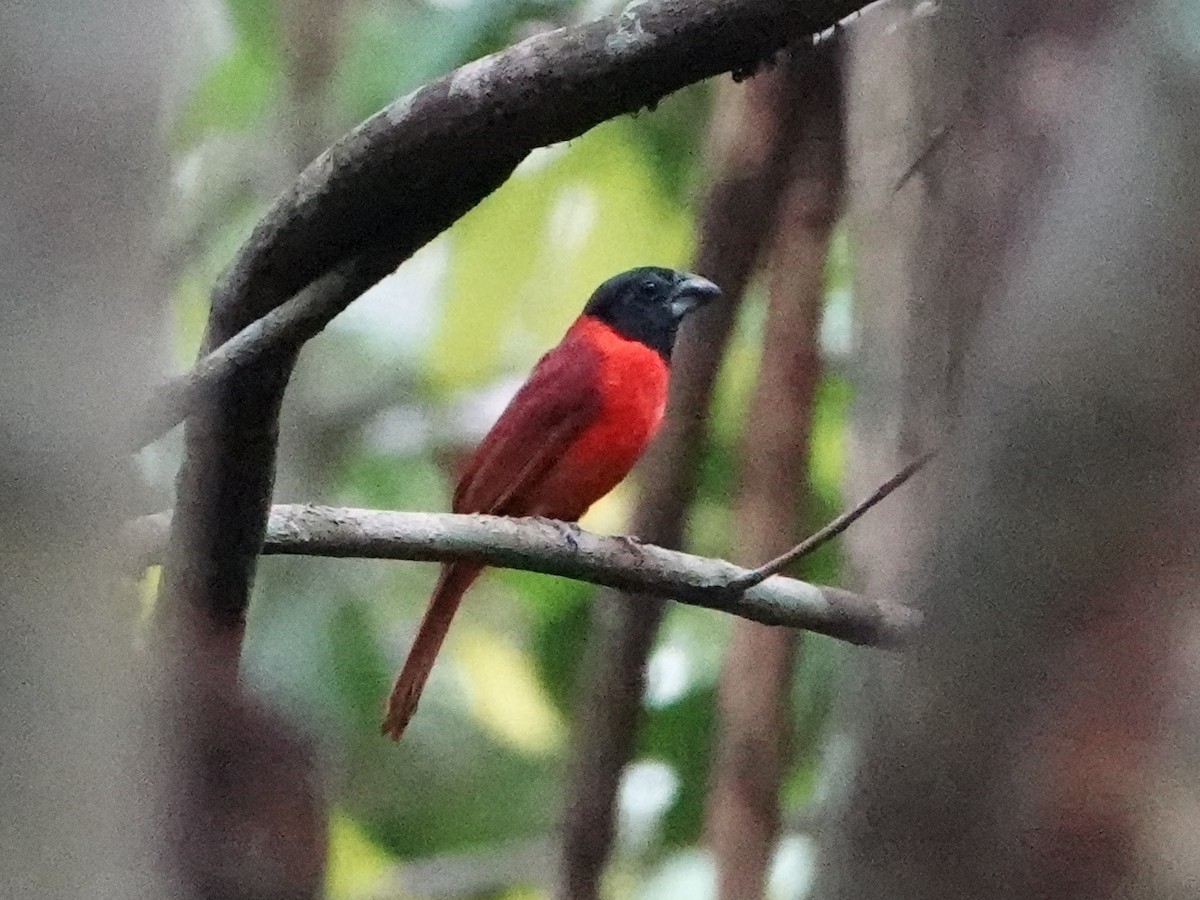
(648, 286)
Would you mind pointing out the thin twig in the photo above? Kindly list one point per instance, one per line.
(169, 403)
(282, 330)
(830, 531)
(553, 548)
(935, 143)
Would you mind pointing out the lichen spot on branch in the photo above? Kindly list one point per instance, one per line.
(630, 32)
(315, 177)
(473, 79)
(397, 112)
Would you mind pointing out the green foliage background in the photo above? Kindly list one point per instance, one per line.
(392, 395)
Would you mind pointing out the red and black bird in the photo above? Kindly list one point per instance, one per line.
(569, 435)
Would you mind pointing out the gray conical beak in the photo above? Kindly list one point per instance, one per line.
(690, 293)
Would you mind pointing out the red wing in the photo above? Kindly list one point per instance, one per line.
(549, 412)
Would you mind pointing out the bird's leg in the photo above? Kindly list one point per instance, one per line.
(569, 530)
(631, 542)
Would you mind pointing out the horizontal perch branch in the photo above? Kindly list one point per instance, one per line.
(553, 548)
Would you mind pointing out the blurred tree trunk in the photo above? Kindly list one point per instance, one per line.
(1040, 740)
(81, 152)
(753, 743)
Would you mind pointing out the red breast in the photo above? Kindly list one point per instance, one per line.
(633, 388)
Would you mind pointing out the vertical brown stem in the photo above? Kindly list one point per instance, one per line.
(742, 815)
(750, 142)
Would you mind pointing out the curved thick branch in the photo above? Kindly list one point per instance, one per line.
(417, 165)
(406, 174)
(555, 548)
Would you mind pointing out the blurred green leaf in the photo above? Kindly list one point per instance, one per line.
(446, 787)
(504, 694)
(670, 138)
(839, 262)
(390, 49)
(681, 735)
(257, 25)
(387, 481)
(393, 48)
(814, 682)
(234, 95)
(827, 448)
(358, 669)
(358, 867)
(190, 311)
(561, 620)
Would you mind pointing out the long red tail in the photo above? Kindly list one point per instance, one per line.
(406, 692)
